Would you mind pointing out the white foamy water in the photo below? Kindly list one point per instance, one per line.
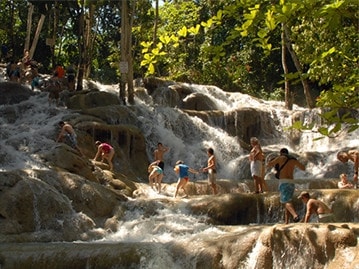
(35, 128)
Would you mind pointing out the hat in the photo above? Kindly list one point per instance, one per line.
(303, 193)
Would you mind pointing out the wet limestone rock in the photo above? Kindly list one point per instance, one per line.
(60, 206)
(69, 159)
(13, 93)
(199, 102)
(88, 99)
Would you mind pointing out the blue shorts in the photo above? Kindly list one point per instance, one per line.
(286, 191)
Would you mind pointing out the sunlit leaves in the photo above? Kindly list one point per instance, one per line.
(194, 30)
(270, 20)
(182, 32)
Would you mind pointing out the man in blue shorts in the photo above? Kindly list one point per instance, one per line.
(285, 165)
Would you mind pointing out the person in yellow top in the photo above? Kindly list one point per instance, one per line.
(352, 155)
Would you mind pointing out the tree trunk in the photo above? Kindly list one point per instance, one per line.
(287, 94)
(131, 98)
(36, 37)
(54, 33)
(89, 40)
(126, 66)
(28, 27)
(155, 26)
(306, 88)
(81, 41)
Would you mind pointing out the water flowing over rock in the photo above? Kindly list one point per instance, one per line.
(68, 211)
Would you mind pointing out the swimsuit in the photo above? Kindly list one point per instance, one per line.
(212, 176)
(325, 218)
(256, 168)
(161, 164)
(106, 148)
(286, 190)
(158, 170)
(72, 137)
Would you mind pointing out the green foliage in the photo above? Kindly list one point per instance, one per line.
(235, 45)
(325, 38)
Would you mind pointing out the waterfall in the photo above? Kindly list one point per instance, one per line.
(235, 229)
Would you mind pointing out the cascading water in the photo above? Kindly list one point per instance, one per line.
(204, 231)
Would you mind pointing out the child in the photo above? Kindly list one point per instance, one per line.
(182, 170)
(343, 183)
(156, 175)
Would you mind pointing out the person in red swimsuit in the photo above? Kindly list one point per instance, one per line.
(106, 151)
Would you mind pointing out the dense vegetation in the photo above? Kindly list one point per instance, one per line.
(302, 51)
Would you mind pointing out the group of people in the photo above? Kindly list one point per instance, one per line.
(26, 71)
(285, 165)
(105, 150)
(155, 170)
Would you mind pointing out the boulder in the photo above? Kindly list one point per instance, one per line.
(13, 93)
(199, 102)
(84, 100)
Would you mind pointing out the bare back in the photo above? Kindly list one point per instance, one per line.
(317, 207)
(68, 128)
(287, 170)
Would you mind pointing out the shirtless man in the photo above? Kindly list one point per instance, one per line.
(68, 132)
(158, 154)
(315, 207)
(286, 185)
(106, 151)
(352, 155)
(211, 169)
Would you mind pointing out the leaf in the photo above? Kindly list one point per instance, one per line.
(146, 44)
(151, 69)
(183, 32)
(165, 39)
(323, 131)
(194, 30)
(328, 52)
(270, 21)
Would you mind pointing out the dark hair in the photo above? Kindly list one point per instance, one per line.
(61, 123)
(98, 143)
(284, 151)
(210, 151)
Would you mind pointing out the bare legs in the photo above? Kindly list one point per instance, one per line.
(289, 209)
(182, 182)
(258, 184)
(156, 178)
